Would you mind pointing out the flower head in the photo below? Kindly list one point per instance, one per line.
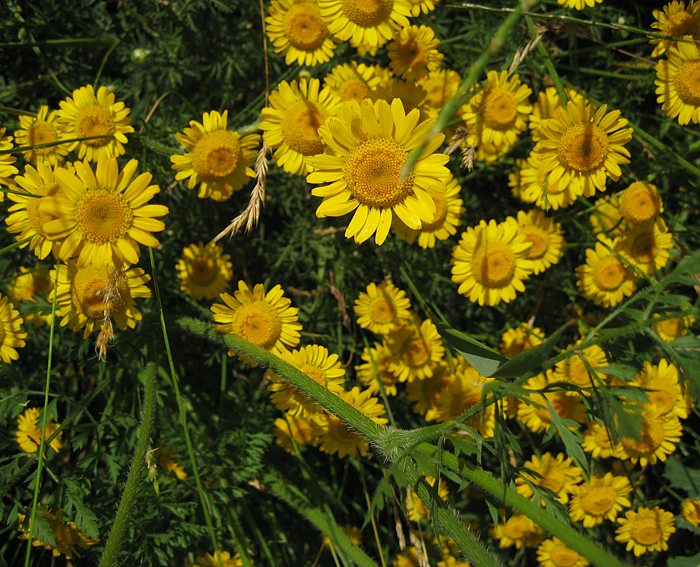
(645, 530)
(557, 473)
(219, 559)
(677, 19)
(678, 83)
(605, 278)
(28, 432)
(68, 537)
(376, 367)
(7, 169)
(204, 270)
(39, 129)
(640, 203)
(413, 52)
(382, 308)
(600, 498)
(417, 348)
(519, 531)
(11, 333)
(353, 81)
(554, 553)
(546, 237)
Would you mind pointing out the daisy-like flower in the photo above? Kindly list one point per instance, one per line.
(678, 83)
(102, 215)
(640, 203)
(448, 210)
(498, 111)
(546, 106)
(26, 220)
(11, 333)
(417, 348)
(28, 432)
(167, 460)
(41, 128)
(92, 295)
(600, 498)
(293, 432)
(204, 270)
(646, 245)
(412, 95)
(440, 85)
(318, 364)
(670, 328)
(606, 217)
(546, 237)
(597, 440)
(573, 370)
(407, 558)
(579, 4)
(7, 170)
(519, 531)
(419, 7)
(353, 81)
(556, 473)
(604, 277)
(415, 508)
(382, 308)
(554, 553)
(68, 536)
(490, 262)
(645, 530)
(677, 19)
(291, 123)
(376, 367)
(219, 559)
(690, 511)
(88, 114)
(265, 319)
(217, 159)
(464, 391)
(297, 30)
(520, 338)
(414, 52)
(658, 437)
(367, 24)
(531, 183)
(533, 412)
(582, 146)
(27, 285)
(425, 394)
(662, 387)
(370, 145)
(336, 438)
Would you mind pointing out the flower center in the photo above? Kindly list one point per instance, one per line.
(639, 203)
(577, 372)
(381, 310)
(373, 173)
(583, 147)
(439, 216)
(93, 120)
(671, 327)
(99, 291)
(563, 557)
(258, 323)
(103, 216)
(650, 438)
(516, 528)
(42, 132)
(552, 479)
(644, 248)
(688, 82)
(411, 53)
(500, 109)
(680, 24)
(315, 373)
(609, 274)
(415, 352)
(493, 265)
(661, 395)
(304, 27)
(539, 239)
(598, 501)
(216, 154)
(300, 125)
(202, 271)
(34, 214)
(645, 531)
(367, 13)
(354, 89)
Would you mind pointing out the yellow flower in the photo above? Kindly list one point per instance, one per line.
(368, 24)
(87, 114)
(520, 338)
(604, 277)
(597, 440)
(415, 508)
(554, 553)
(545, 107)
(414, 52)
(7, 170)
(411, 94)
(28, 432)
(690, 510)
(519, 531)
(533, 411)
(602, 497)
(91, 295)
(678, 83)
(370, 144)
(376, 367)
(419, 7)
(204, 270)
(11, 333)
(67, 535)
(662, 387)
(546, 237)
(640, 203)
(573, 370)
(28, 285)
(498, 111)
(353, 81)
(382, 308)
(425, 394)
(417, 349)
(645, 530)
(464, 391)
(531, 183)
(38, 129)
(318, 364)
(291, 123)
(658, 437)
(670, 328)
(265, 319)
(292, 432)
(407, 558)
(335, 437)
(558, 474)
(606, 216)
(582, 146)
(446, 218)
(166, 461)
(440, 85)
(646, 245)
(217, 159)
(676, 20)
(579, 4)
(219, 559)
(297, 30)
(103, 215)
(490, 262)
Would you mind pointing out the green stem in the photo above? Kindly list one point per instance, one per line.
(87, 41)
(110, 554)
(14, 245)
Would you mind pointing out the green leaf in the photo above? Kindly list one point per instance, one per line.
(684, 561)
(572, 441)
(682, 477)
(483, 358)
